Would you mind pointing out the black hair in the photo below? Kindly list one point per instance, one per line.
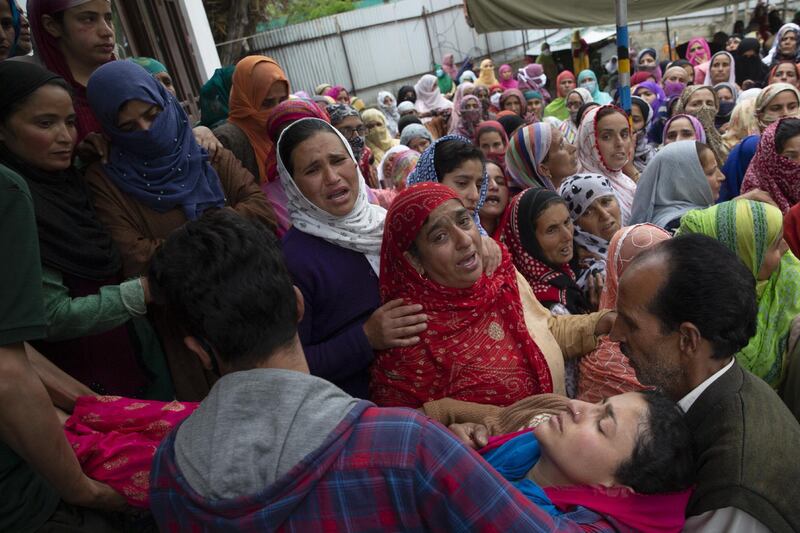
(662, 459)
(510, 123)
(296, 133)
(407, 93)
(223, 277)
(12, 108)
(583, 109)
(709, 286)
(489, 129)
(452, 153)
(406, 120)
(788, 128)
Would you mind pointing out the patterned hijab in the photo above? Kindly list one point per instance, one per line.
(580, 192)
(162, 168)
(706, 115)
(749, 229)
(672, 184)
(773, 173)
(389, 111)
(468, 120)
(552, 285)
(476, 348)
(606, 371)
(591, 161)
(282, 115)
(527, 148)
(425, 171)
(360, 230)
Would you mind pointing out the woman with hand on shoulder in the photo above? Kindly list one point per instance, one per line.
(332, 252)
(95, 326)
(157, 177)
(479, 345)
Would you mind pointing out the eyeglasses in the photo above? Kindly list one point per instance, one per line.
(348, 132)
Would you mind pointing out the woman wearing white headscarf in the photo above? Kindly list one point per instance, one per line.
(429, 97)
(333, 252)
(388, 106)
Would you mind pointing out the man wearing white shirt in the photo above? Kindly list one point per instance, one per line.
(684, 309)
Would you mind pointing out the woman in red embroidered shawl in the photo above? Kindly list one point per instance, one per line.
(776, 166)
(479, 345)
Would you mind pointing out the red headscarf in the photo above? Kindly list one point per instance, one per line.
(476, 347)
(491, 125)
(773, 173)
(791, 229)
(560, 77)
(48, 50)
(283, 114)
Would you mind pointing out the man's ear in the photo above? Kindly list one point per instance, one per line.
(52, 26)
(415, 262)
(195, 346)
(690, 339)
(301, 303)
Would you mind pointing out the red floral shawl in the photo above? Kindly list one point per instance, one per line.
(476, 347)
(549, 285)
(773, 173)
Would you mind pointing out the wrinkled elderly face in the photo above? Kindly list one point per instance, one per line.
(448, 247)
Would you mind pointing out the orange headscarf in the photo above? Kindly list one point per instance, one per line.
(252, 81)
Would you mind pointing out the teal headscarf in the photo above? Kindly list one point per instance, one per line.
(750, 229)
(149, 64)
(588, 80)
(214, 97)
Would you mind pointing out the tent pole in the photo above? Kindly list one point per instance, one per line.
(669, 41)
(623, 54)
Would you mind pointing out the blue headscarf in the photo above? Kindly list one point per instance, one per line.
(426, 171)
(163, 167)
(594, 88)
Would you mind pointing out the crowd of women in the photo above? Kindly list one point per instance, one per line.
(461, 241)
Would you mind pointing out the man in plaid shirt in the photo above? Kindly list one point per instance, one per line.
(274, 448)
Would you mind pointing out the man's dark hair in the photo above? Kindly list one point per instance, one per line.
(709, 286)
(662, 459)
(295, 134)
(452, 153)
(223, 277)
(510, 123)
(788, 128)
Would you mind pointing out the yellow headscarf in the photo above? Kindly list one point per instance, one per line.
(487, 76)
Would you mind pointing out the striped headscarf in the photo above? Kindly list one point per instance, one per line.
(425, 171)
(750, 229)
(527, 148)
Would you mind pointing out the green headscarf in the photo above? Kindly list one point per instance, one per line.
(214, 96)
(443, 79)
(150, 65)
(749, 229)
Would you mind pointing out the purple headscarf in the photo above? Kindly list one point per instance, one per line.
(163, 167)
(699, 132)
(656, 89)
(533, 78)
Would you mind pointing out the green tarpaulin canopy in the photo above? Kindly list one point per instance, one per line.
(504, 15)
